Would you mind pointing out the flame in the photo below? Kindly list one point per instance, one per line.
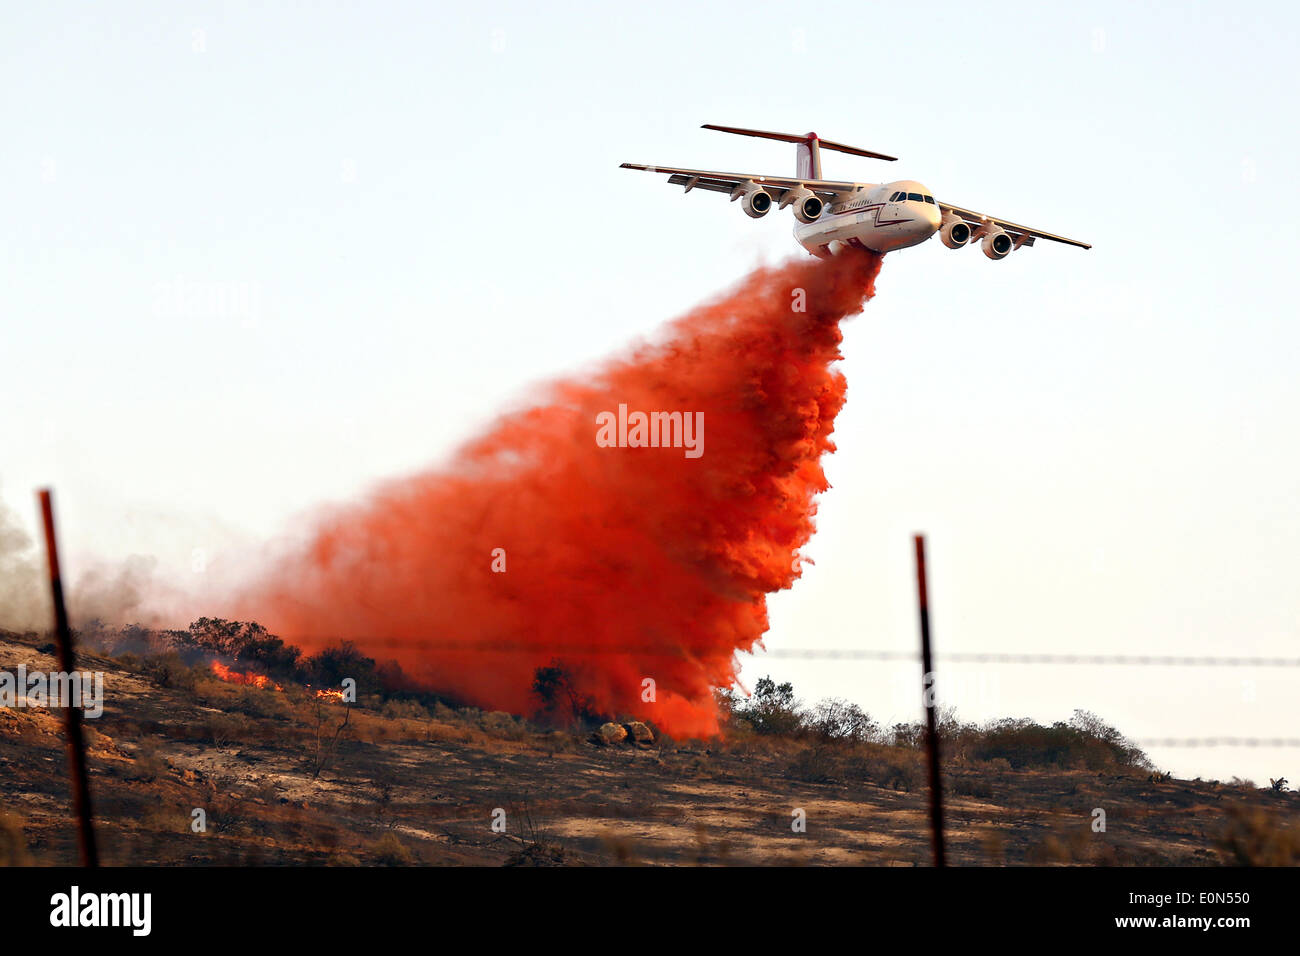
(643, 570)
(235, 677)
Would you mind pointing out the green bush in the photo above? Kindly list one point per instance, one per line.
(771, 710)
(333, 665)
(244, 640)
(1084, 742)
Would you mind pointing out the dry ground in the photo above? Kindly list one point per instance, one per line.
(424, 788)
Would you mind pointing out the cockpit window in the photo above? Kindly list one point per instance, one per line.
(915, 197)
(894, 197)
(930, 200)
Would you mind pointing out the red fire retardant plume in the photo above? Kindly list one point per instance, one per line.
(624, 563)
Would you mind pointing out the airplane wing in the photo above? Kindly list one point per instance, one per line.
(775, 186)
(1023, 235)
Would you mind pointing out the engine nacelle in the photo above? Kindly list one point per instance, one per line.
(755, 201)
(955, 232)
(997, 244)
(757, 204)
(807, 205)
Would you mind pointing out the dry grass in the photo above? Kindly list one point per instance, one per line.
(409, 783)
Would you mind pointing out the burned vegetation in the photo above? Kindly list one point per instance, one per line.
(221, 744)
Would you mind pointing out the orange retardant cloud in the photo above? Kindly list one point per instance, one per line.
(624, 563)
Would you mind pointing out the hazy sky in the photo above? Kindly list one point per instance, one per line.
(259, 256)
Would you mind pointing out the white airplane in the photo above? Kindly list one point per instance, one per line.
(831, 215)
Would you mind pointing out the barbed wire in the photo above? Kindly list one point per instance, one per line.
(835, 654)
(1218, 742)
(1167, 660)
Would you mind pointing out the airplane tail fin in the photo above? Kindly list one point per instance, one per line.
(808, 158)
(808, 162)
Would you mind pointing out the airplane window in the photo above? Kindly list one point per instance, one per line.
(915, 197)
(930, 200)
(894, 198)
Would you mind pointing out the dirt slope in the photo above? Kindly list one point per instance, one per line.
(406, 785)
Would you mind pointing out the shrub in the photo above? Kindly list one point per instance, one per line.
(1259, 837)
(772, 710)
(1084, 742)
(817, 764)
(13, 843)
(536, 846)
(324, 742)
(390, 851)
(168, 670)
(835, 719)
(261, 702)
(500, 724)
(332, 665)
(911, 736)
(147, 764)
(226, 730)
(968, 786)
(561, 701)
(404, 709)
(896, 768)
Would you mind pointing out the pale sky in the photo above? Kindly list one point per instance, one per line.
(262, 256)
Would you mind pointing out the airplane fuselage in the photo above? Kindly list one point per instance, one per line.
(884, 218)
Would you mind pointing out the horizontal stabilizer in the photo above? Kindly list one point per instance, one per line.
(795, 138)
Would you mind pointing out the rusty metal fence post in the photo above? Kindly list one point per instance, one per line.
(931, 703)
(71, 715)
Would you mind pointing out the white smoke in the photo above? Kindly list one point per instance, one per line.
(115, 594)
(24, 592)
(110, 593)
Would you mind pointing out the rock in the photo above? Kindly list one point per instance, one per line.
(639, 732)
(610, 734)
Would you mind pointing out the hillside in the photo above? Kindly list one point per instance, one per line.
(289, 777)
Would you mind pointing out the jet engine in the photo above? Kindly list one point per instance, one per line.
(807, 205)
(997, 244)
(756, 202)
(955, 233)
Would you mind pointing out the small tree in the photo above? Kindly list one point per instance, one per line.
(835, 719)
(324, 743)
(910, 735)
(773, 708)
(561, 700)
(243, 640)
(332, 665)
